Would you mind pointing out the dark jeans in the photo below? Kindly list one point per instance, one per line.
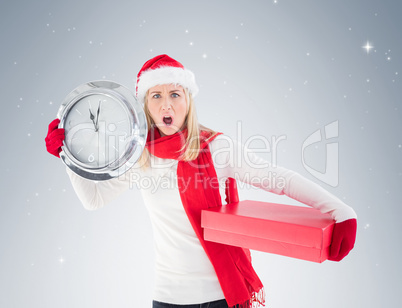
(215, 304)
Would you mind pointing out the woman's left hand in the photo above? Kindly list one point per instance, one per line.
(343, 239)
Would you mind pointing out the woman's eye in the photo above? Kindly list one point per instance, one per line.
(175, 95)
(156, 96)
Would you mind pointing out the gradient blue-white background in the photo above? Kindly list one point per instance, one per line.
(273, 68)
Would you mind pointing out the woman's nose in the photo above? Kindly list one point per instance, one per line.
(166, 104)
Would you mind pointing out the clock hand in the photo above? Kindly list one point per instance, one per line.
(97, 117)
(92, 117)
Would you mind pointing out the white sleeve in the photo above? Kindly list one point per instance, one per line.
(95, 194)
(231, 159)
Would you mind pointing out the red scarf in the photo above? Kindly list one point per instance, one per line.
(199, 189)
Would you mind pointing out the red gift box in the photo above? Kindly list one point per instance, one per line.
(293, 231)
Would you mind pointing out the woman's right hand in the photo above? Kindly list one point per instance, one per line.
(54, 139)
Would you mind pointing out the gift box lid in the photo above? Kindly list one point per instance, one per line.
(303, 226)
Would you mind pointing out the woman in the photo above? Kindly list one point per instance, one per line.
(190, 161)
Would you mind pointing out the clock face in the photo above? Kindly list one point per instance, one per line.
(97, 130)
(105, 130)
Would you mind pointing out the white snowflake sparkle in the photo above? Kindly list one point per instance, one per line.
(368, 47)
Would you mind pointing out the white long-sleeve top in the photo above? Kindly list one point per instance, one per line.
(184, 274)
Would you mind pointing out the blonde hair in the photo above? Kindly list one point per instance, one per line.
(192, 144)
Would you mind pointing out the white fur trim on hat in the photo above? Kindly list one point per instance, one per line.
(165, 75)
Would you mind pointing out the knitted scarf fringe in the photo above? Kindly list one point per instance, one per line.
(257, 300)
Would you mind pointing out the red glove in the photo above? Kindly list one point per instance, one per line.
(343, 239)
(232, 196)
(54, 138)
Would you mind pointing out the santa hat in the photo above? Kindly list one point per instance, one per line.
(163, 69)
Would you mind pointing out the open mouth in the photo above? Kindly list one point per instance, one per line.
(167, 120)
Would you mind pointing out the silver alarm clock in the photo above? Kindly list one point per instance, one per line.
(105, 130)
